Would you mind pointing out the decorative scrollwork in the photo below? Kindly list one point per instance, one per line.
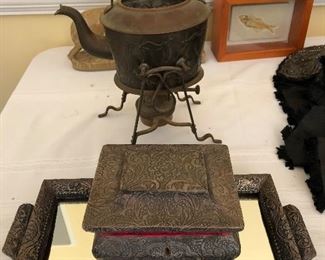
(180, 247)
(17, 230)
(38, 237)
(163, 188)
(285, 227)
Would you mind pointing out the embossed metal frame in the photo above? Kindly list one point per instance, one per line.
(213, 208)
(31, 233)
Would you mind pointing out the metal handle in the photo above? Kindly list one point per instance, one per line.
(17, 230)
(300, 233)
(108, 8)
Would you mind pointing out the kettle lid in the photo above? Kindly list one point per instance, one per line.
(136, 17)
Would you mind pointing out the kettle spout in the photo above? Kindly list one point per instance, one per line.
(94, 44)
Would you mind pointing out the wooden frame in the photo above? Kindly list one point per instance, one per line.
(221, 23)
(31, 233)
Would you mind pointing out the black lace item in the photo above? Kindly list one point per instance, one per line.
(300, 88)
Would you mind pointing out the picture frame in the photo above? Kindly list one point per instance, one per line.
(252, 29)
(31, 233)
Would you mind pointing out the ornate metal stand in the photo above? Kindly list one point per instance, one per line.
(195, 102)
(123, 99)
(157, 101)
(163, 73)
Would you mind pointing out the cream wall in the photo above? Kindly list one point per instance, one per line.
(22, 37)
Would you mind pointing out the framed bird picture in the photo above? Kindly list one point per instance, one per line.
(251, 29)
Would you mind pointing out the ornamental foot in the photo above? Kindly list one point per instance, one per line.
(195, 102)
(123, 99)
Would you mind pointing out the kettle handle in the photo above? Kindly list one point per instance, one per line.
(108, 8)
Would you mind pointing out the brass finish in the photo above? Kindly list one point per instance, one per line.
(159, 20)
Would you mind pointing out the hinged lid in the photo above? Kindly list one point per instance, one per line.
(163, 188)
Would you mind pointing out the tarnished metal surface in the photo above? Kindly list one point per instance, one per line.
(156, 50)
(164, 36)
(155, 36)
(155, 16)
(283, 239)
(223, 247)
(136, 91)
(164, 188)
(17, 230)
(94, 44)
(300, 233)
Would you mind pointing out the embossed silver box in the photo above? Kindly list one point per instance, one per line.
(165, 201)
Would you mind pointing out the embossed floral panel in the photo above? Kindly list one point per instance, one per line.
(154, 188)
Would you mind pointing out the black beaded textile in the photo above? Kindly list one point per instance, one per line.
(300, 88)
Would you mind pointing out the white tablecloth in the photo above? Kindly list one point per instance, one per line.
(49, 128)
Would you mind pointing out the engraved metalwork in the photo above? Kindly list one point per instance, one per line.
(180, 247)
(163, 188)
(162, 36)
(17, 230)
(36, 242)
(299, 231)
(287, 243)
(163, 171)
(158, 36)
(251, 185)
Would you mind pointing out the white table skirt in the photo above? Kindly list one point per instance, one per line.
(50, 129)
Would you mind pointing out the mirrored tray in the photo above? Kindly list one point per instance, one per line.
(271, 231)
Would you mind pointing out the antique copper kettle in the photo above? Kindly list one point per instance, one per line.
(154, 32)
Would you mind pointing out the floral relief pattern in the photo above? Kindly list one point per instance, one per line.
(17, 230)
(284, 226)
(163, 187)
(188, 247)
(162, 171)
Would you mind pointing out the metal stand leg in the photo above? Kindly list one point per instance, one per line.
(193, 127)
(195, 102)
(123, 99)
(196, 89)
(135, 133)
(162, 73)
(155, 125)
